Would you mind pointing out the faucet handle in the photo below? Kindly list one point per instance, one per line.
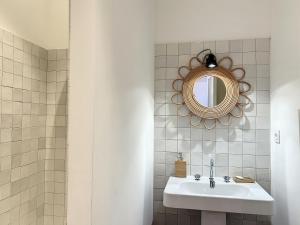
(197, 176)
(226, 179)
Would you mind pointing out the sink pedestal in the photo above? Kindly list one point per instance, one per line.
(213, 218)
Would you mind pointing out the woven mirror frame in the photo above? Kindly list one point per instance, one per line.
(233, 104)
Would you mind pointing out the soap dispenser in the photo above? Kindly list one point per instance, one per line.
(180, 166)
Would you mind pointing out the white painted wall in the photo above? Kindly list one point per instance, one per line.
(285, 106)
(199, 20)
(43, 22)
(111, 113)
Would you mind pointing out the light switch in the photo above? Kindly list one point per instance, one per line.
(277, 136)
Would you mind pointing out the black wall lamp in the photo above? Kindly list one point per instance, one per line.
(209, 59)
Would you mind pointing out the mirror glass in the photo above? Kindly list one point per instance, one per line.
(209, 91)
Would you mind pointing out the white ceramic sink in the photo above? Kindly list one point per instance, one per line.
(225, 197)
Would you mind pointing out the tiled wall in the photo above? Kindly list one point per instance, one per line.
(23, 68)
(55, 160)
(33, 133)
(242, 148)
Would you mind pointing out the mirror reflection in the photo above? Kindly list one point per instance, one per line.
(209, 91)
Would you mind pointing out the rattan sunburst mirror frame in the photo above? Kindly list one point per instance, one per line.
(233, 104)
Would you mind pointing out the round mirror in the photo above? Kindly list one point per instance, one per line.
(209, 91)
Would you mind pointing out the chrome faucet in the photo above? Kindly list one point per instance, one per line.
(212, 182)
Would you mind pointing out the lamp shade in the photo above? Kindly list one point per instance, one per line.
(211, 61)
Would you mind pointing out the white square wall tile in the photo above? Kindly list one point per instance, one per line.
(171, 73)
(249, 161)
(8, 38)
(171, 122)
(184, 60)
(235, 135)
(160, 85)
(160, 49)
(263, 110)
(249, 58)
(249, 172)
(18, 43)
(250, 71)
(196, 158)
(221, 147)
(222, 135)
(172, 61)
(249, 148)
(235, 171)
(8, 51)
(263, 45)
(263, 70)
(235, 148)
(171, 133)
(170, 170)
(159, 157)
(249, 136)
(184, 134)
(263, 97)
(249, 45)
(207, 158)
(160, 109)
(196, 146)
(172, 49)
(263, 135)
(209, 135)
(184, 146)
(222, 171)
(169, 87)
(236, 46)
(171, 109)
(263, 84)
(263, 148)
(235, 160)
(196, 47)
(209, 147)
(263, 123)
(160, 61)
(196, 170)
(222, 160)
(196, 133)
(184, 122)
(237, 58)
(184, 48)
(263, 162)
(222, 46)
(262, 58)
(250, 122)
(210, 45)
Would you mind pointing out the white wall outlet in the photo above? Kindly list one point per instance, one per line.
(277, 136)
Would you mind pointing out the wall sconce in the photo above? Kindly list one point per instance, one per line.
(209, 59)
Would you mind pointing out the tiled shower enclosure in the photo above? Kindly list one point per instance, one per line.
(33, 94)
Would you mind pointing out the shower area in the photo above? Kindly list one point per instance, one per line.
(33, 116)
(33, 132)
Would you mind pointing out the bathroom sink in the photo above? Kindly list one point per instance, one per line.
(188, 193)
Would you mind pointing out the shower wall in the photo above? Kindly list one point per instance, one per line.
(32, 134)
(23, 67)
(55, 166)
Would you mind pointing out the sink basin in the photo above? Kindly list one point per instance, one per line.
(187, 193)
(223, 189)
